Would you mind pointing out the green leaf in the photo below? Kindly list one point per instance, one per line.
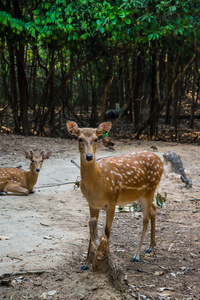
(101, 29)
(98, 22)
(127, 21)
(75, 36)
(69, 20)
(48, 20)
(114, 21)
(84, 36)
(112, 16)
(47, 5)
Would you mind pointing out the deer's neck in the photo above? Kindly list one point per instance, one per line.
(31, 178)
(89, 171)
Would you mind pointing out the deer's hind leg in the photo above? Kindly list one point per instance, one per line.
(152, 215)
(149, 213)
(16, 189)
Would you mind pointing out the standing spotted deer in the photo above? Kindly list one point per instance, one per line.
(117, 180)
(19, 182)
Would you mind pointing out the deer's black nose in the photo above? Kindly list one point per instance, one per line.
(89, 157)
(37, 169)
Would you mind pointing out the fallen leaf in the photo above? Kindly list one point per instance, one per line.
(158, 273)
(50, 293)
(170, 247)
(192, 254)
(47, 237)
(164, 295)
(165, 288)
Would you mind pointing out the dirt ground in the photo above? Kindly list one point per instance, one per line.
(48, 231)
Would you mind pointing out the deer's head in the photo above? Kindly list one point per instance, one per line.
(88, 137)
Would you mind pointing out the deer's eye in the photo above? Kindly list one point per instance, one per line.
(32, 161)
(41, 161)
(80, 140)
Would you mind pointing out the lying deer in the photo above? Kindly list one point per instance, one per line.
(117, 180)
(20, 182)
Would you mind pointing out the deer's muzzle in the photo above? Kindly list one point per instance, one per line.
(89, 157)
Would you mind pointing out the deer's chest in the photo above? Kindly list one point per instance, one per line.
(96, 196)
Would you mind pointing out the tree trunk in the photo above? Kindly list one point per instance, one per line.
(193, 106)
(23, 88)
(175, 96)
(9, 85)
(93, 117)
(128, 88)
(121, 84)
(195, 90)
(167, 88)
(108, 82)
(70, 74)
(153, 103)
(21, 75)
(156, 112)
(52, 86)
(137, 88)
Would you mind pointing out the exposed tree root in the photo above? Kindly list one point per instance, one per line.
(100, 258)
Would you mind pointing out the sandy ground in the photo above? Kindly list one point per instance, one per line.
(48, 231)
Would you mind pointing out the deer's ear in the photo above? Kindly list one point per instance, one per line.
(45, 154)
(72, 128)
(29, 154)
(103, 128)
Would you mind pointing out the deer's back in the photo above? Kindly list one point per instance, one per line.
(135, 170)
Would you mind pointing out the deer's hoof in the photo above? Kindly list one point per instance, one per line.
(3, 193)
(149, 250)
(84, 268)
(32, 191)
(135, 259)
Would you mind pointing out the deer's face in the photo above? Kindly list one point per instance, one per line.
(36, 162)
(87, 141)
(87, 138)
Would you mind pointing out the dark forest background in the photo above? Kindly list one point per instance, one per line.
(136, 63)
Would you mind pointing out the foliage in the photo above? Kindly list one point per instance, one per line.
(159, 201)
(124, 21)
(58, 40)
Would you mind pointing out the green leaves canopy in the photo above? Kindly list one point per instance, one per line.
(114, 22)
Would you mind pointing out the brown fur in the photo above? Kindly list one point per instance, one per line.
(117, 180)
(20, 182)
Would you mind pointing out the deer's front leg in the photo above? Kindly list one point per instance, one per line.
(94, 213)
(16, 189)
(109, 220)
